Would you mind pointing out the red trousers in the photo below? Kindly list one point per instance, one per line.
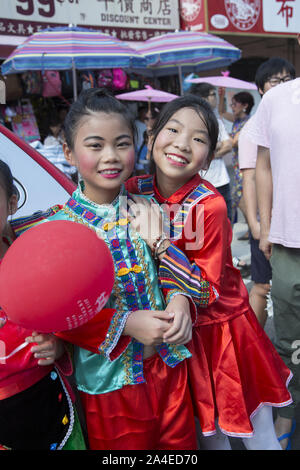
(156, 415)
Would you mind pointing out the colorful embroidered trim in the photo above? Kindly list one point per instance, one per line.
(87, 215)
(172, 355)
(115, 330)
(71, 412)
(177, 224)
(22, 224)
(145, 185)
(137, 362)
(124, 273)
(175, 271)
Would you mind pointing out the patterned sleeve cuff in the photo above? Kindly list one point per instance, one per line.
(193, 308)
(176, 272)
(114, 343)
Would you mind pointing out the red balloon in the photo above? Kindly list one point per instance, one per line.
(55, 277)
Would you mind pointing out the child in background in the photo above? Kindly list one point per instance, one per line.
(53, 148)
(55, 133)
(36, 410)
(235, 373)
(241, 104)
(135, 397)
(147, 116)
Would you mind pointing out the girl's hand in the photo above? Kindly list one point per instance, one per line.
(48, 347)
(180, 332)
(146, 219)
(148, 326)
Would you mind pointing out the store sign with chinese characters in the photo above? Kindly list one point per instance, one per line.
(126, 19)
(192, 15)
(259, 17)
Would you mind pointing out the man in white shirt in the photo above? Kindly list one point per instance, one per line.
(275, 129)
(269, 74)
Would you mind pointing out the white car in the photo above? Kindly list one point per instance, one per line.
(41, 185)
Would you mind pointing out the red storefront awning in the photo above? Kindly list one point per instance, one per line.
(6, 50)
(8, 44)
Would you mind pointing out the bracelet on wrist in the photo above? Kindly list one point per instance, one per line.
(159, 242)
(161, 252)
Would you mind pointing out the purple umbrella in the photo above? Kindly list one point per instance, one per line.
(148, 94)
(224, 81)
(72, 48)
(186, 52)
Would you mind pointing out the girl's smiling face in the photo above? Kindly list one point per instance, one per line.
(181, 148)
(103, 153)
(237, 108)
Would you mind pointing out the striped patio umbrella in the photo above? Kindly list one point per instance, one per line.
(65, 48)
(186, 51)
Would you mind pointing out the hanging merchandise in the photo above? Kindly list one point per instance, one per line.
(52, 85)
(134, 82)
(105, 78)
(32, 82)
(88, 80)
(24, 122)
(120, 79)
(186, 85)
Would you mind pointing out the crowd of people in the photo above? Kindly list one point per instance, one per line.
(185, 362)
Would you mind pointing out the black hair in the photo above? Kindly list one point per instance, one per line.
(202, 89)
(245, 98)
(91, 101)
(202, 108)
(271, 67)
(54, 120)
(143, 110)
(7, 181)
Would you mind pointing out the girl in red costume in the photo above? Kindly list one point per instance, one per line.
(36, 409)
(235, 374)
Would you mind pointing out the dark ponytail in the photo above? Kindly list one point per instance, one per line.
(7, 181)
(91, 101)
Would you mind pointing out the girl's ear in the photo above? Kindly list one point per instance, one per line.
(206, 164)
(68, 154)
(13, 204)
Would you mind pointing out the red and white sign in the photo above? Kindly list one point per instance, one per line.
(192, 15)
(243, 15)
(259, 17)
(132, 20)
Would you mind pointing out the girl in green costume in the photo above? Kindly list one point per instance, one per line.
(134, 388)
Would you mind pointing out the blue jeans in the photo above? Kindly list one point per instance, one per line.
(225, 191)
